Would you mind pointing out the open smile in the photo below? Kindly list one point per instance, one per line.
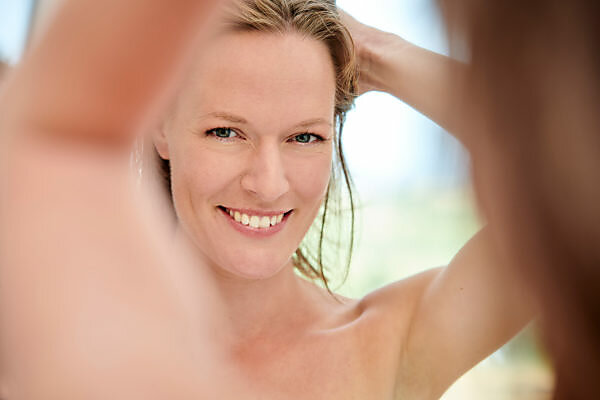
(253, 222)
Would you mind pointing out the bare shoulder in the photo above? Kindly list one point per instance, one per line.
(379, 327)
(387, 312)
(398, 299)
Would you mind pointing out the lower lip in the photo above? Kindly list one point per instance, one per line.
(255, 232)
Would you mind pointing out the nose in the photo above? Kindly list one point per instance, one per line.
(266, 176)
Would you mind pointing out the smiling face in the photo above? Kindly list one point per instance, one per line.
(250, 147)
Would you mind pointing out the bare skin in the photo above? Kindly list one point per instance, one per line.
(288, 338)
(402, 341)
(89, 305)
(423, 79)
(411, 339)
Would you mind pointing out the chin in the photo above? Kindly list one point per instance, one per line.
(254, 266)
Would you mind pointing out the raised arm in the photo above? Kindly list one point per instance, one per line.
(465, 311)
(102, 68)
(425, 80)
(94, 301)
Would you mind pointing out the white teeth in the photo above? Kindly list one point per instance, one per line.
(245, 219)
(256, 221)
(265, 222)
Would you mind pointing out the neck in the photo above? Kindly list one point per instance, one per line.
(265, 307)
(261, 308)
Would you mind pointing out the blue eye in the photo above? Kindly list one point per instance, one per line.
(222, 133)
(307, 138)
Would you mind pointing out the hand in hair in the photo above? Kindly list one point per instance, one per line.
(366, 40)
(417, 76)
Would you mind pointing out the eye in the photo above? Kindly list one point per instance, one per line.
(306, 138)
(222, 133)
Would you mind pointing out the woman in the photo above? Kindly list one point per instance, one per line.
(249, 145)
(249, 142)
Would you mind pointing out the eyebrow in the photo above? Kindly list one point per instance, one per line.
(241, 120)
(227, 116)
(313, 121)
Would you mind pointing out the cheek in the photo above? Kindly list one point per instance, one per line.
(309, 177)
(199, 172)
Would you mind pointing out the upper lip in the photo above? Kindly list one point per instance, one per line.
(260, 213)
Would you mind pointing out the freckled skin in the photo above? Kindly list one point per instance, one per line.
(245, 75)
(289, 337)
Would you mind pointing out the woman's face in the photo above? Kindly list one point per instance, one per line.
(252, 136)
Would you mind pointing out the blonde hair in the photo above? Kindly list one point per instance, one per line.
(316, 19)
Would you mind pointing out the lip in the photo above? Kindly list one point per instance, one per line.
(255, 232)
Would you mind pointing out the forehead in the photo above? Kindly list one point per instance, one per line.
(260, 75)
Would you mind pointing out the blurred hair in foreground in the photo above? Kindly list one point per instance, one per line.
(533, 96)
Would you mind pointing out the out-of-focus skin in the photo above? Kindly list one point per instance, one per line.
(535, 75)
(96, 301)
(92, 58)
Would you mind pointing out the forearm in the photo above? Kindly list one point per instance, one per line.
(427, 81)
(94, 302)
(101, 68)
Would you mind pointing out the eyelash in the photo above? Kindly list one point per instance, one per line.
(213, 133)
(317, 138)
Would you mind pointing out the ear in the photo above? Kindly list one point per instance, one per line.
(159, 138)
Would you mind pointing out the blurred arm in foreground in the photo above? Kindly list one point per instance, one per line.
(534, 81)
(95, 300)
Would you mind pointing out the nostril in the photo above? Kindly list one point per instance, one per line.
(266, 177)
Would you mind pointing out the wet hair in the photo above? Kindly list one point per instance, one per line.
(319, 20)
